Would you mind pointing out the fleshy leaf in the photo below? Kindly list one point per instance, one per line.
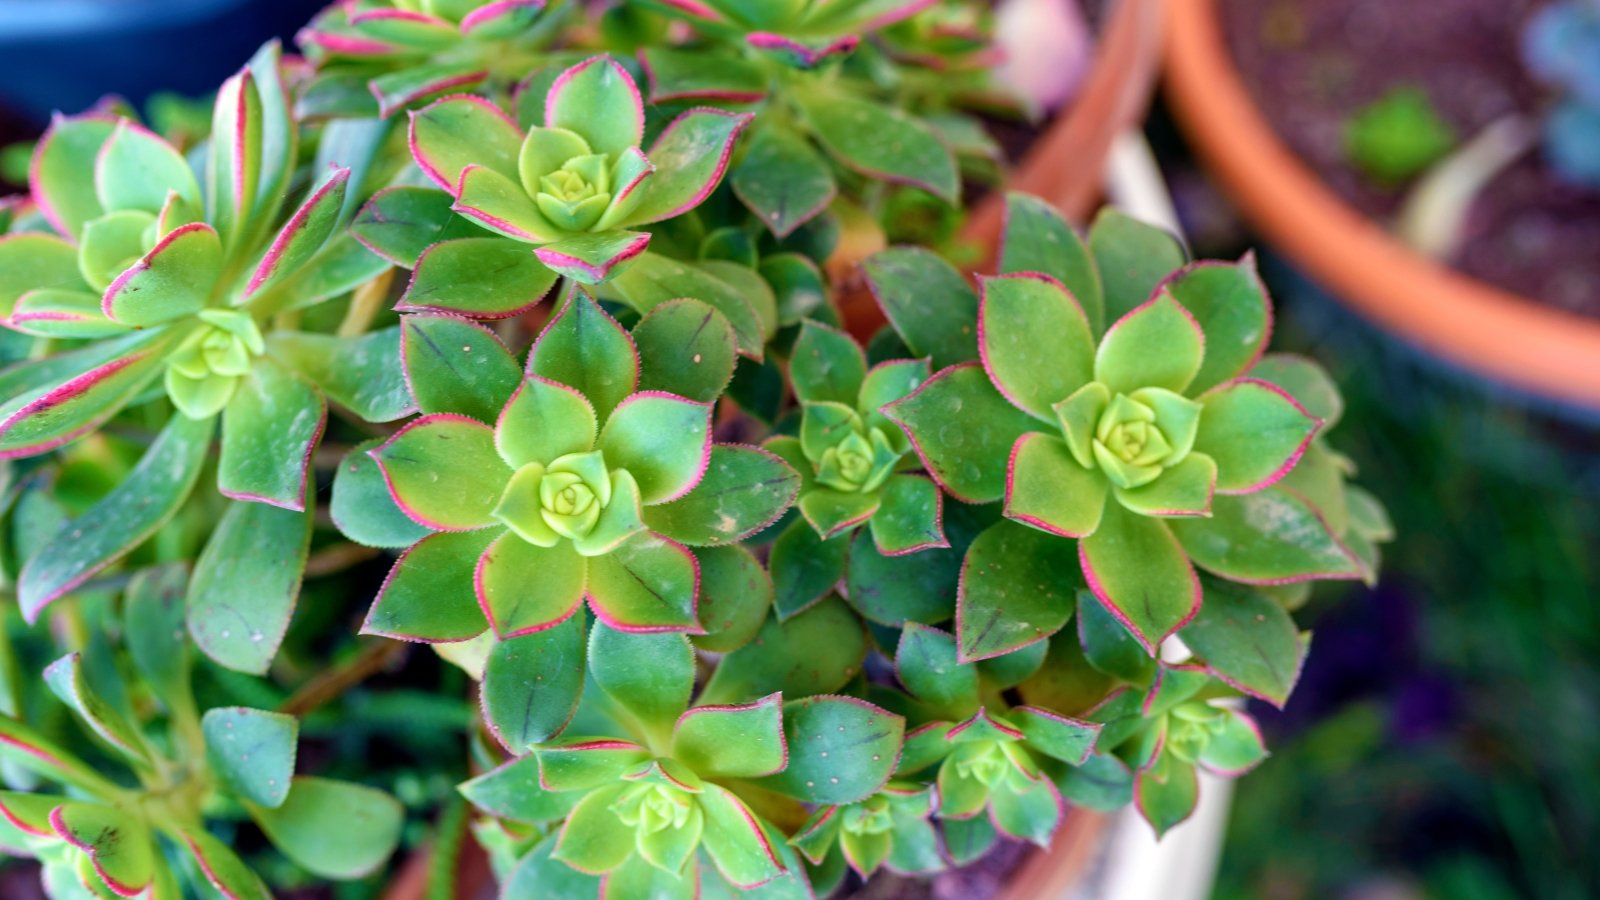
(650, 675)
(844, 749)
(662, 440)
(1047, 488)
(1067, 739)
(1269, 537)
(234, 165)
(1132, 259)
(1230, 303)
(826, 365)
(497, 202)
(735, 840)
(585, 348)
(30, 262)
(593, 839)
(516, 604)
(732, 741)
(1031, 373)
(1038, 239)
(428, 595)
(782, 180)
(1138, 570)
(744, 490)
(963, 430)
(540, 874)
(735, 595)
(305, 232)
(252, 751)
(118, 845)
(361, 507)
(1184, 489)
(269, 430)
(334, 829)
(59, 178)
(531, 684)
(648, 584)
(597, 99)
(451, 134)
(66, 679)
(1030, 812)
(152, 623)
(136, 168)
(734, 290)
(831, 512)
(806, 567)
(543, 421)
(928, 665)
(444, 472)
(57, 399)
(593, 258)
(457, 366)
(1167, 795)
(1158, 344)
(1108, 645)
(688, 347)
(174, 279)
(676, 74)
(400, 223)
(927, 301)
(222, 868)
(910, 518)
(1236, 748)
(1016, 589)
(583, 764)
(513, 791)
(817, 651)
(881, 142)
(364, 374)
(246, 582)
(479, 277)
(690, 156)
(1255, 431)
(1247, 640)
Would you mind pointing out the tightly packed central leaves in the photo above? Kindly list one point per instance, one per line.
(1135, 437)
(577, 194)
(860, 461)
(651, 808)
(565, 499)
(204, 371)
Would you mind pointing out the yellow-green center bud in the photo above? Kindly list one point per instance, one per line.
(205, 369)
(870, 816)
(575, 196)
(650, 808)
(859, 462)
(987, 765)
(543, 504)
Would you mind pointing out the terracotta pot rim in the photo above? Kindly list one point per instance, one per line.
(1479, 327)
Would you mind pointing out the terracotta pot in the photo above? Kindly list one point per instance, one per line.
(1490, 331)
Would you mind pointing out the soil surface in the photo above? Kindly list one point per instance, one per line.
(1310, 64)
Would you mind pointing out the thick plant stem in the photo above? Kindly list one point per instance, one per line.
(373, 658)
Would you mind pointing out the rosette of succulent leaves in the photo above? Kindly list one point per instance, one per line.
(540, 308)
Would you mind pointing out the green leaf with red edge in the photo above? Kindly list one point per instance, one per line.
(307, 230)
(831, 512)
(1274, 536)
(583, 764)
(30, 262)
(120, 846)
(1306, 381)
(61, 175)
(910, 518)
(744, 741)
(805, 567)
(782, 179)
(174, 279)
(428, 595)
(928, 302)
(361, 507)
(593, 839)
(650, 675)
(1059, 737)
(341, 266)
(881, 142)
(593, 258)
(735, 595)
(597, 99)
(1038, 239)
(401, 223)
(647, 584)
(1026, 810)
(1166, 795)
(1231, 305)
(25, 747)
(663, 868)
(1182, 490)
(544, 421)
(498, 203)
(1047, 488)
(65, 314)
(826, 365)
(136, 168)
(687, 347)
(1255, 431)
(662, 440)
(928, 666)
(735, 840)
(221, 867)
(1158, 344)
(689, 157)
(531, 684)
(1107, 644)
(478, 277)
(1236, 748)
(444, 472)
(65, 678)
(144, 500)
(817, 651)
(279, 138)
(152, 626)
(1034, 374)
(456, 366)
(1139, 571)
(1247, 639)
(652, 279)
(967, 840)
(1132, 258)
(269, 430)
(885, 383)
(963, 430)
(1016, 589)
(362, 374)
(513, 791)
(49, 416)
(246, 582)
(676, 74)
(844, 749)
(252, 752)
(517, 604)
(911, 587)
(451, 134)
(583, 347)
(398, 89)
(234, 165)
(334, 829)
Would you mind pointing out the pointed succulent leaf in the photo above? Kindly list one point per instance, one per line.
(497, 202)
(597, 99)
(927, 301)
(451, 134)
(826, 365)
(396, 90)
(531, 684)
(817, 651)
(341, 266)
(1141, 574)
(400, 223)
(735, 595)
(652, 279)
(539, 873)
(364, 374)
(928, 665)
(122, 520)
(361, 507)
(334, 829)
(735, 840)
(66, 679)
(744, 741)
(963, 430)
(967, 840)
(44, 418)
(1038, 239)
(1029, 811)
(1033, 374)
(1157, 345)
(843, 749)
(881, 142)
(1048, 489)
(806, 567)
(252, 751)
(676, 75)
(516, 604)
(583, 347)
(1305, 381)
(911, 517)
(428, 595)
(234, 165)
(30, 750)
(1060, 737)
(887, 382)
(30, 262)
(782, 180)
(246, 582)
(662, 440)
(119, 846)
(457, 366)
(650, 675)
(594, 840)
(1166, 796)
(583, 764)
(744, 490)
(269, 430)
(1231, 305)
(444, 472)
(1016, 589)
(1236, 748)
(592, 258)
(513, 791)
(221, 867)
(1132, 258)
(174, 279)
(1274, 536)
(305, 233)
(830, 511)
(1255, 431)
(688, 347)
(1108, 645)
(479, 277)
(60, 176)
(690, 157)
(136, 168)
(152, 622)
(48, 312)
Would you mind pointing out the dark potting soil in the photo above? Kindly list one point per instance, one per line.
(1310, 64)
